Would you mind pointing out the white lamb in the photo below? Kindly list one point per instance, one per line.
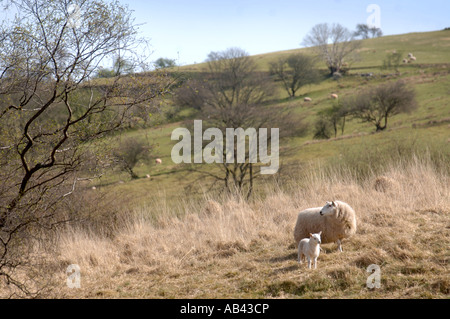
(310, 248)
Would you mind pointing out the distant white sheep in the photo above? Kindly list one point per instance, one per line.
(307, 99)
(336, 220)
(413, 58)
(334, 96)
(410, 55)
(405, 61)
(309, 248)
(158, 161)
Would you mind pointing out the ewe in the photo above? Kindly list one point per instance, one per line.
(336, 220)
(309, 248)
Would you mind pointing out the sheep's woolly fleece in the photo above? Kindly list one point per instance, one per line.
(334, 226)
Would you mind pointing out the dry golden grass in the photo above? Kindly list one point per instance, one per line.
(228, 248)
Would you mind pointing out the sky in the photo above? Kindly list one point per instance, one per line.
(187, 30)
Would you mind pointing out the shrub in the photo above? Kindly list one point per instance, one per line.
(129, 152)
(376, 105)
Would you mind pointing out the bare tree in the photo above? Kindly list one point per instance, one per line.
(392, 61)
(322, 129)
(375, 32)
(129, 152)
(334, 116)
(163, 63)
(295, 71)
(120, 67)
(364, 31)
(377, 105)
(333, 44)
(50, 108)
(233, 95)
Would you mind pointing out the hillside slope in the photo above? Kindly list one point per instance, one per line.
(429, 47)
(429, 76)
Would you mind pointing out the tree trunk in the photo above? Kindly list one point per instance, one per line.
(382, 128)
(343, 126)
(132, 173)
(333, 70)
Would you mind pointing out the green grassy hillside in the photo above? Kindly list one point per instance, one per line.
(428, 47)
(429, 76)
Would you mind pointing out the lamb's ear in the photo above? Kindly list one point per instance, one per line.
(333, 203)
(320, 233)
(310, 235)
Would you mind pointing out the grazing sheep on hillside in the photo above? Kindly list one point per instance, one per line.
(336, 220)
(309, 248)
(334, 96)
(158, 161)
(410, 55)
(307, 99)
(405, 61)
(413, 58)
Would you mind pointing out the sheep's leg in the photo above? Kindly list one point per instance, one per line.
(309, 262)
(315, 263)
(300, 257)
(300, 254)
(339, 245)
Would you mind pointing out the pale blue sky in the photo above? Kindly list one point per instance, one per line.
(187, 30)
(196, 27)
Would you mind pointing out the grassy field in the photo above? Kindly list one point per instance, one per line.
(429, 76)
(170, 240)
(227, 248)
